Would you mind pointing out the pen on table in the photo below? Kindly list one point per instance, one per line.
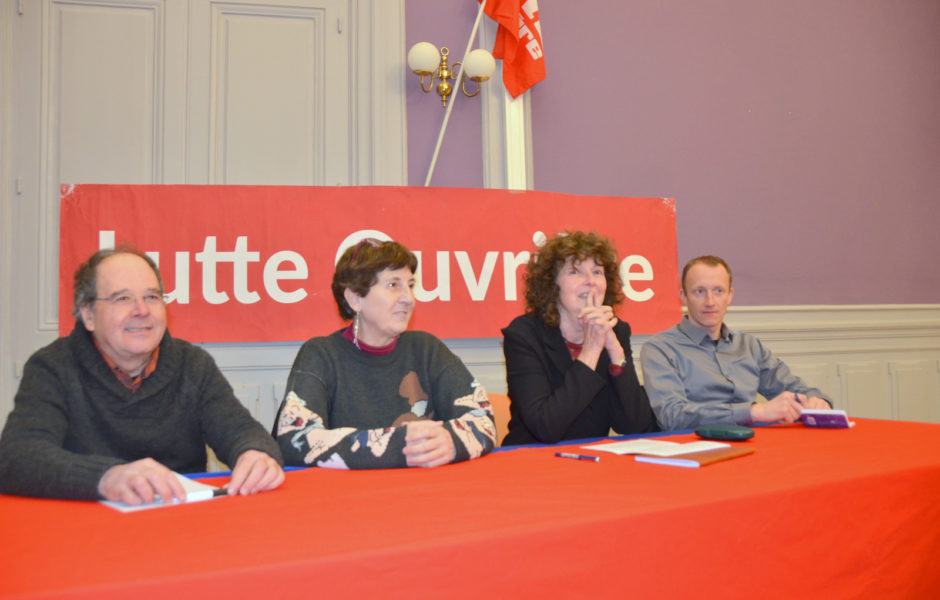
(577, 456)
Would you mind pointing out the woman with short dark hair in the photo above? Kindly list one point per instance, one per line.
(569, 366)
(374, 395)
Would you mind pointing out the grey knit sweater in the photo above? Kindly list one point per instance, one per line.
(73, 420)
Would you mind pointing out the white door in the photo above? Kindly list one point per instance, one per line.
(178, 91)
(269, 90)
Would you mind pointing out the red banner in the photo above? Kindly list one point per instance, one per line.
(255, 263)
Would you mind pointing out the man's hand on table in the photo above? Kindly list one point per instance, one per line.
(784, 408)
(254, 472)
(139, 482)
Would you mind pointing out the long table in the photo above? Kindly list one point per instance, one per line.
(811, 513)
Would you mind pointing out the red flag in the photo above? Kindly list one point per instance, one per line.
(518, 43)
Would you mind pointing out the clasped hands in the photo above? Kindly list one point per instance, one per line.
(786, 407)
(597, 322)
(139, 482)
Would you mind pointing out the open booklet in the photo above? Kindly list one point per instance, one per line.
(689, 454)
(697, 459)
(655, 447)
(195, 492)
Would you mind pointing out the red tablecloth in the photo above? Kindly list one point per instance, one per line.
(820, 513)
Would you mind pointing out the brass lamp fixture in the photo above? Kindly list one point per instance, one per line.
(426, 61)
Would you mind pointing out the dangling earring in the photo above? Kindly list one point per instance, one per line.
(356, 331)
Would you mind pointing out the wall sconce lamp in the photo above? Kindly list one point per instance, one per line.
(425, 60)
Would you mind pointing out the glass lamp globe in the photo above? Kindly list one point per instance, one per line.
(423, 58)
(479, 65)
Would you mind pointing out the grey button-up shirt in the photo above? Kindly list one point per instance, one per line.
(693, 380)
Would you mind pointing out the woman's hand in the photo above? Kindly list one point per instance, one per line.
(428, 444)
(597, 322)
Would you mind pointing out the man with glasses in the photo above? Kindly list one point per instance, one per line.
(114, 408)
(700, 372)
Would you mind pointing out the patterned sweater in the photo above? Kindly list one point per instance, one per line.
(347, 409)
(73, 420)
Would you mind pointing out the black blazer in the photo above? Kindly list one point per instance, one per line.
(554, 398)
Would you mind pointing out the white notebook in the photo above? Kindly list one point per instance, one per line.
(195, 492)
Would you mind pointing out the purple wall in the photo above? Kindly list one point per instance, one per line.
(460, 161)
(801, 139)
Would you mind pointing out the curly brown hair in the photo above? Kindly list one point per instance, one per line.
(541, 286)
(359, 267)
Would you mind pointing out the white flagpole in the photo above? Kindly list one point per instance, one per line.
(453, 97)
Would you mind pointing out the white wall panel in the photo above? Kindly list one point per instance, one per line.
(914, 386)
(269, 85)
(106, 95)
(865, 390)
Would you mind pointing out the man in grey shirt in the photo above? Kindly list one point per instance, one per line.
(700, 372)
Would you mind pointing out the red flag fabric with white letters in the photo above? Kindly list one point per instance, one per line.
(518, 43)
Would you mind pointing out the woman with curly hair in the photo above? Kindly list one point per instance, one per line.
(569, 367)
